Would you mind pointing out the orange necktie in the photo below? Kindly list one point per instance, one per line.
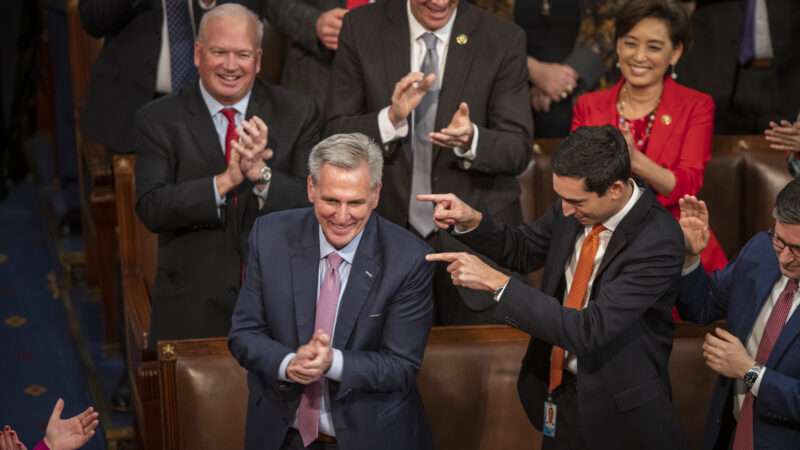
(577, 292)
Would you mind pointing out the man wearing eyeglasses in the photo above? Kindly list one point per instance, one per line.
(756, 401)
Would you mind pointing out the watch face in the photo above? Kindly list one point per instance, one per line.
(750, 377)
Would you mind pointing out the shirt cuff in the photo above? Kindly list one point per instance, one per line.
(335, 371)
(472, 153)
(261, 195)
(691, 268)
(282, 368)
(219, 200)
(388, 131)
(757, 384)
(502, 289)
(41, 446)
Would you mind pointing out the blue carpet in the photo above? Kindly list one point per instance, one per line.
(39, 361)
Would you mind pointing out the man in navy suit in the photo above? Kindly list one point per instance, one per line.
(333, 317)
(756, 401)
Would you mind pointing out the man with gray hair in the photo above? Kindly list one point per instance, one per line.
(756, 401)
(210, 158)
(333, 316)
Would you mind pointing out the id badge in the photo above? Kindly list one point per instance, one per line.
(550, 411)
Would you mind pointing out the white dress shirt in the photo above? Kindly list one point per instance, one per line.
(418, 50)
(348, 252)
(762, 42)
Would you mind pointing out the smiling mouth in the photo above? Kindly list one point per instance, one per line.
(229, 78)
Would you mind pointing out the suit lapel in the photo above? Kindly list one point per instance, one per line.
(563, 247)
(396, 43)
(202, 128)
(305, 275)
(630, 224)
(366, 269)
(663, 125)
(457, 66)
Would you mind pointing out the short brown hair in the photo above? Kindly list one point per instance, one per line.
(668, 11)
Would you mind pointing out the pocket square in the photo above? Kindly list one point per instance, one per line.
(375, 316)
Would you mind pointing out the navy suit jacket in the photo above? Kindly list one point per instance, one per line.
(381, 328)
(736, 294)
(622, 338)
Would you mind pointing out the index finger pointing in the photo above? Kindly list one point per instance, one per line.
(433, 197)
(445, 257)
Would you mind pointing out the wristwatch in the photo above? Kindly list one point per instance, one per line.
(265, 176)
(751, 376)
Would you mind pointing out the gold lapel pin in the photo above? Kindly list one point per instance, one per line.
(666, 119)
(462, 39)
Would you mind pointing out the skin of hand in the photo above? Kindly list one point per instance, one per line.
(251, 147)
(694, 223)
(311, 360)
(408, 92)
(232, 176)
(784, 136)
(328, 26)
(9, 440)
(539, 100)
(660, 178)
(458, 133)
(72, 433)
(470, 271)
(557, 81)
(725, 354)
(452, 211)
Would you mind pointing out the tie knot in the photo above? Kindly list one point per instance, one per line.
(430, 40)
(791, 286)
(229, 114)
(334, 260)
(597, 229)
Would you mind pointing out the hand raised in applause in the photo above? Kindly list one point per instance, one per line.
(452, 211)
(251, 147)
(408, 92)
(470, 271)
(784, 136)
(311, 360)
(72, 433)
(694, 223)
(328, 26)
(725, 354)
(457, 134)
(9, 440)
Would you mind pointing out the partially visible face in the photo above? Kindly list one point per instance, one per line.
(646, 52)
(343, 201)
(433, 14)
(588, 208)
(227, 58)
(789, 264)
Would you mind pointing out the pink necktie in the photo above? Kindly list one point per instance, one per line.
(777, 318)
(308, 411)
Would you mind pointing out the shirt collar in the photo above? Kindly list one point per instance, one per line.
(348, 252)
(215, 106)
(613, 222)
(416, 29)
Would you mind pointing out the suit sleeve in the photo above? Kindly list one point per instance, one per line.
(405, 332)
(102, 17)
(344, 111)
(249, 340)
(779, 398)
(163, 204)
(652, 264)
(504, 142)
(694, 153)
(297, 20)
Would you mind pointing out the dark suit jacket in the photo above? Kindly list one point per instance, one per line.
(124, 75)
(622, 338)
(381, 329)
(308, 62)
(710, 65)
(488, 72)
(736, 295)
(199, 253)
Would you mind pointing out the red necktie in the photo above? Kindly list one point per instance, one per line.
(230, 133)
(310, 402)
(356, 3)
(577, 292)
(777, 318)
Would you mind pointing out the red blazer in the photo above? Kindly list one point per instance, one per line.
(680, 141)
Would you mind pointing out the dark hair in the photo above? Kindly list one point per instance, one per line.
(787, 205)
(668, 11)
(597, 154)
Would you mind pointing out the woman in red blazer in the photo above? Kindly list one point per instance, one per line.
(668, 127)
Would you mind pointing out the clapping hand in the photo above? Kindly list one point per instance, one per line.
(72, 433)
(408, 92)
(725, 354)
(251, 147)
(459, 133)
(694, 223)
(311, 360)
(9, 440)
(784, 136)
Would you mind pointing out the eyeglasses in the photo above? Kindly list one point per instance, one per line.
(779, 244)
